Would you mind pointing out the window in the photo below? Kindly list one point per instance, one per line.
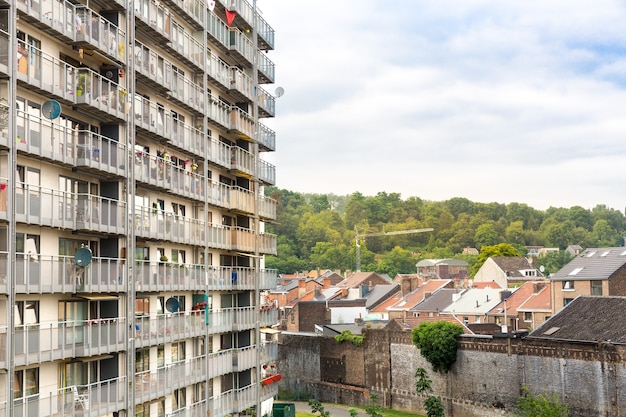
(178, 256)
(528, 316)
(26, 313)
(178, 352)
(568, 285)
(181, 302)
(26, 382)
(160, 305)
(142, 306)
(179, 399)
(596, 287)
(160, 356)
(566, 301)
(142, 360)
(465, 320)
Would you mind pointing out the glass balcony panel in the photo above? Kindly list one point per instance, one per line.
(101, 33)
(266, 138)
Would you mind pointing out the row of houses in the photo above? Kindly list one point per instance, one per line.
(507, 294)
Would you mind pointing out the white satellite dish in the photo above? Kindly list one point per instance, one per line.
(211, 5)
(280, 91)
(542, 268)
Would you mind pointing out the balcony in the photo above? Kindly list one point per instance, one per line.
(220, 363)
(165, 379)
(100, 398)
(157, 329)
(267, 208)
(161, 173)
(243, 239)
(51, 274)
(266, 138)
(56, 18)
(267, 244)
(219, 153)
(241, 123)
(219, 194)
(44, 139)
(219, 113)
(197, 409)
(151, 223)
(266, 69)
(185, 47)
(218, 32)
(168, 277)
(266, 172)
(268, 315)
(187, 93)
(98, 94)
(153, 21)
(234, 401)
(59, 340)
(244, 358)
(241, 85)
(187, 138)
(267, 103)
(54, 208)
(269, 351)
(219, 71)
(94, 31)
(241, 200)
(269, 279)
(191, 11)
(231, 319)
(45, 74)
(241, 48)
(242, 162)
(152, 69)
(265, 34)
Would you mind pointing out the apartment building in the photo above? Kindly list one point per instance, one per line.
(132, 211)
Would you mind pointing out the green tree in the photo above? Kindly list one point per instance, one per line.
(319, 202)
(397, 261)
(437, 342)
(318, 407)
(541, 405)
(486, 235)
(554, 261)
(434, 407)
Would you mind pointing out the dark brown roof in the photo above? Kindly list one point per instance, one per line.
(512, 265)
(587, 318)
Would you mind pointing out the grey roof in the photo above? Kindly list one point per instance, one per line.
(593, 264)
(380, 293)
(335, 329)
(587, 318)
(438, 301)
(513, 265)
(285, 287)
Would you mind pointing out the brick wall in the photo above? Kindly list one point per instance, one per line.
(485, 381)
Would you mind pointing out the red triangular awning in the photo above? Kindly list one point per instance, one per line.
(230, 16)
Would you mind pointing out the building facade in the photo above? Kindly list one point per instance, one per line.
(132, 211)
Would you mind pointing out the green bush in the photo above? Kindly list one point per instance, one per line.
(541, 405)
(347, 336)
(437, 342)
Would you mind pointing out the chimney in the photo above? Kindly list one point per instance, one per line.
(538, 286)
(427, 294)
(301, 286)
(326, 283)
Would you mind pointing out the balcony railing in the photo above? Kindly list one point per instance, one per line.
(266, 138)
(192, 11)
(97, 399)
(162, 173)
(219, 153)
(186, 47)
(218, 31)
(154, 67)
(187, 92)
(267, 103)
(51, 341)
(269, 351)
(155, 17)
(152, 223)
(231, 319)
(241, 123)
(165, 379)
(101, 93)
(265, 33)
(269, 317)
(54, 208)
(99, 152)
(155, 329)
(267, 244)
(266, 172)
(219, 113)
(241, 47)
(58, 15)
(269, 279)
(234, 401)
(241, 83)
(168, 277)
(97, 31)
(267, 69)
(218, 70)
(36, 274)
(243, 200)
(242, 160)
(197, 409)
(219, 194)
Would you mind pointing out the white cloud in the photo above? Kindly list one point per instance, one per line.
(489, 100)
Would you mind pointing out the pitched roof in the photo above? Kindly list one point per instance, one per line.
(379, 293)
(519, 297)
(382, 307)
(293, 284)
(419, 294)
(593, 264)
(438, 301)
(446, 261)
(412, 322)
(475, 301)
(512, 265)
(485, 284)
(587, 318)
(359, 278)
(538, 301)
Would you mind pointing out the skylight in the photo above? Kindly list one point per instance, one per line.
(605, 253)
(575, 271)
(590, 254)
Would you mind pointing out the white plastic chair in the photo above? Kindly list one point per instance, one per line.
(80, 399)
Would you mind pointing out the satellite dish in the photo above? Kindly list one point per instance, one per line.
(82, 257)
(171, 305)
(211, 5)
(542, 268)
(51, 109)
(280, 91)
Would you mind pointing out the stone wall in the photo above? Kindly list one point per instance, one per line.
(486, 380)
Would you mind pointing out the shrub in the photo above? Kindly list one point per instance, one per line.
(437, 342)
(541, 405)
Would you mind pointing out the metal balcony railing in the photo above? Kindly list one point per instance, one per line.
(241, 47)
(269, 351)
(50, 341)
(266, 138)
(152, 223)
(266, 172)
(231, 319)
(186, 46)
(155, 329)
(165, 379)
(219, 153)
(219, 113)
(162, 173)
(58, 15)
(95, 30)
(197, 409)
(269, 317)
(168, 277)
(153, 66)
(218, 31)
(267, 103)
(218, 70)
(219, 194)
(267, 244)
(241, 123)
(100, 93)
(267, 69)
(192, 11)
(187, 92)
(51, 274)
(242, 161)
(96, 399)
(156, 17)
(241, 83)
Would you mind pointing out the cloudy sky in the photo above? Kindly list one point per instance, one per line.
(491, 100)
